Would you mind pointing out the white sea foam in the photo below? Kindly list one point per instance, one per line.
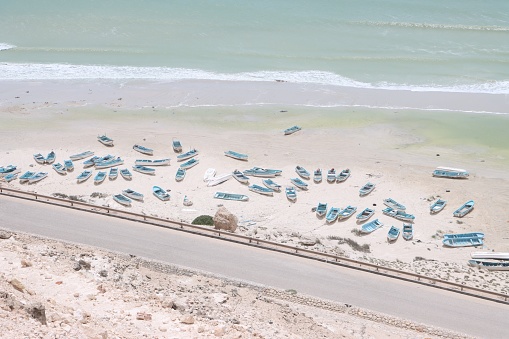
(4, 46)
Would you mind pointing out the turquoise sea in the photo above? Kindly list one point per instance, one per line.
(434, 45)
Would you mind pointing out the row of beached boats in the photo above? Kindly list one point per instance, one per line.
(479, 260)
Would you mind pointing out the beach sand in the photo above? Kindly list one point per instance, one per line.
(395, 149)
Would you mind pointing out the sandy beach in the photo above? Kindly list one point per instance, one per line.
(395, 149)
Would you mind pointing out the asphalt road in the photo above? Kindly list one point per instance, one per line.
(411, 301)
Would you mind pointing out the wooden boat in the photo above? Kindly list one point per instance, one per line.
(331, 176)
(292, 130)
(291, 194)
(260, 172)
(465, 235)
(37, 177)
(160, 193)
(69, 166)
(343, 175)
(408, 231)
(302, 172)
(84, 176)
(366, 189)
(126, 174)
(143, 149)
(347, 212)
(177, 146)
(437, 206)
(149, 162)
(321, 209)
(490, 255)
(121, 199)
(464, 209)
(180, 175)
(462, 242)
(109, 163)
(299, 183)
(261, 190)
(393, 234)
(240, 177)
(448, 172)
(394, 204)
(82, 155)
(103, 139)
(190, 163)
(9, 169)
(365, 214)
(272, 185)
(99, 177)
(24, 178)
(219, 179)
(317, 175)
(187, 155)
(400, 215)
(209, 174)
(371, 226)
(133, 194)
(333, 214)
(50, 158)
(59, 168)
(231, 196)
(144, 170)
(490, 265)
(39, 158)
(11, 176)
(235, 155)
(187, 201)
(113, 173)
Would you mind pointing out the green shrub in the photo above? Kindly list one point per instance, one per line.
(203, 220)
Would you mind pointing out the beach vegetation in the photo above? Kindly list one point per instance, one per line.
(352, 243)
(206, 220)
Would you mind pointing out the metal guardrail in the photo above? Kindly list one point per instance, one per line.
(326, 257)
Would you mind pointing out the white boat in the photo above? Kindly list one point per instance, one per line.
(80, 156)
(160, 193)
(143, 149)
(321, 209)
(219, 179)
(188, 155)
(231, 196)
(448, 172)
(209, 174)
(331, 176)
(302, 172)
(347, 212)
(366, 189)
(133, 194)
(464, 235)
(240, 177)
(84, 176)
(113, 173)
(371, 226)
(408, 231)
(292, 130)
(490, 265)
(464, 209)
(333, 214)
(400, 215)
(121, 199)
(490, 255)
(144, 170)
(10, 169)
(37, 177)
(69, 166)
(149, 162)
(10, 177)
(343, 175)
(236, 155)
(462, 242)
(299, 183)
(24, 178)
(187, 201)
(437, 206)
(393, 234)
(394, 204)
(39, 158)
(50, 158)
(99, 177)
(291, 193)
(177, 146)
(59, 168)
(103, 139)
(109, 163)
(317, 175)
(365, 214)
(190, 163)
(126, 174)
(262, 172)
(261, 190)
(272, 185)
(91, 162)
(180, 175)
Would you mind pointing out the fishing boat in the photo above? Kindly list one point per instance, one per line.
(365, 214)
(394, 204)
(462, 242)
(121, 199)
(187, 201)
(190, 163)
(188, 155)
(59, 168)
(400, 215)
(126, 174)
(408, 231)
(91, 162)
(464, 235)
(39, 158)
(333, 214)
(347, 212)
(321, 209)
(180, 175)
(50, 158)
(84, 176)
(143, 149)
(437, 206)
(261, 190)
(231, 196)
(144, 170)
(343, 175)
(490, 265)
(302, 172)
(240, 177)
(291, 193)
(103, 139)
(113, 174)
(110, 163)
(393, 234)
(69, 166)
(269, 170)
(317, 175)
(160, 193)
(366, 189)
(149, 162)
(177, 146)
(82, 155)
(37, 177)
(331, 176)
(219, 179)
(299, 183)
(292, 130)
(9, 169)
(448, 172)
(236, 155)
(371, 226)
(490, 255)
(99, 177)
(464, 209)
(24, 178)
(209, 174)
(260, 172)
(10, 177)
(272, 185)
(133, 194)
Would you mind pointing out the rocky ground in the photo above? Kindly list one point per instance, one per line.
(50, 289)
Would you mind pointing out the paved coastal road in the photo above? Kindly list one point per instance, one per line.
(391, 296)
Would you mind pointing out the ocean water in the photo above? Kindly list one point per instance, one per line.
(448, 46)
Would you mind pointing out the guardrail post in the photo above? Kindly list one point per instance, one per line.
(36, 197)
